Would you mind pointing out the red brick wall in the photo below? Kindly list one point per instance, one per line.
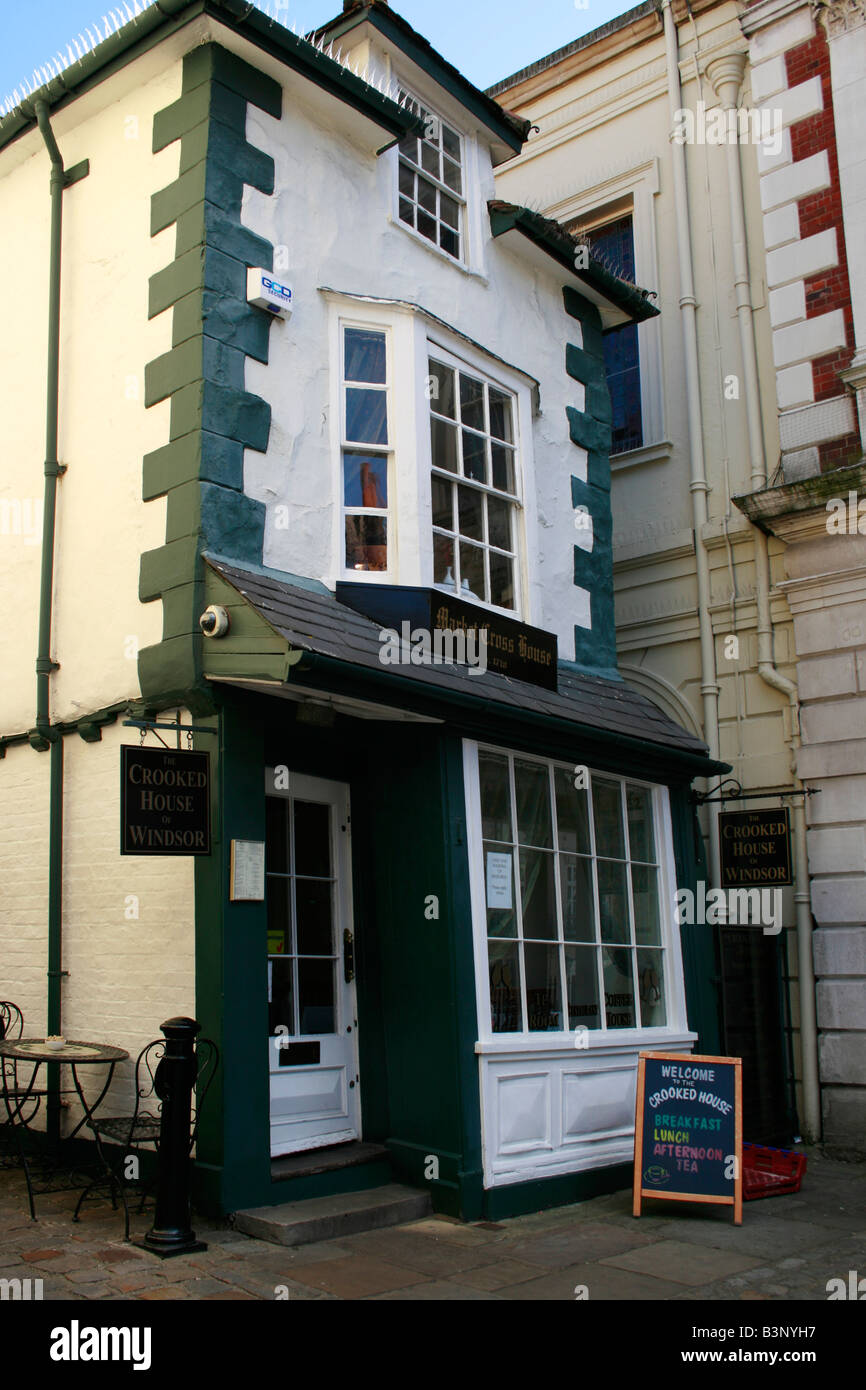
(829, 289)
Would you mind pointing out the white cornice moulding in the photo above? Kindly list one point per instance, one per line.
(770, 12)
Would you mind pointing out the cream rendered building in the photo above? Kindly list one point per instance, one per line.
(740, 609)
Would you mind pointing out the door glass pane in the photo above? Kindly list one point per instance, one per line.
(581, 982)
(618, 986)
(279, 892)
(612, 901)
(313, 917)
(312, 839)
(506, 1015)
(533, 804)
(316, 996)
(281, 1007)
(572, 814)
(537, 894)
(651, 984)
(495, 797)
(645, 892)
(607, 812)
(543, 987)
(499, 890)
(276, 835)
(578, 910)
(641, 837)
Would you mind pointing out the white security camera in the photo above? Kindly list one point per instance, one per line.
(214, 621)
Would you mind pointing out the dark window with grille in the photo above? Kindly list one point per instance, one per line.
(614, 246)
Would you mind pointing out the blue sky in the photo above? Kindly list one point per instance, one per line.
(486, 39)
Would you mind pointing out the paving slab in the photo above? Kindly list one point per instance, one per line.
(427, 1253)
(762, 1238)
(600, 1282)
(681, 1262)
(436, 1292)
(359, 1276)
(580, 1243)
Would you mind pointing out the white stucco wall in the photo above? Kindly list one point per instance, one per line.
(333, 222)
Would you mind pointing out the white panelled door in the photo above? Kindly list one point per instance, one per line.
(312, 1048)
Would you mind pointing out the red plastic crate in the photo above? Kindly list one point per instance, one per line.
(771, 1172)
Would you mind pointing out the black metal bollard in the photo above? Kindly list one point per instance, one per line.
(171, 1232)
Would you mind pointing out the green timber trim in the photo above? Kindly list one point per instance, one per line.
(520, 1198)
(590, 429)
(213, 419)
(251, 649)
(553, 238)
(159, 21)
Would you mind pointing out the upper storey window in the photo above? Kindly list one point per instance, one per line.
(431, 183)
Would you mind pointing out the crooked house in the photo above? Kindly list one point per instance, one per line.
(357, 521)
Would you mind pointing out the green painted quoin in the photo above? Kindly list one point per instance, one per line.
(213, 418)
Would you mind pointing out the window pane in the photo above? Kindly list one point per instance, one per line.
(475, 456)
(449, 241)
(365, 479)
(543, 987)
(281, 1006)
(316, 996)
(472, 573)
(501, 581)
(313, 913)
(572, 814)
(426, 224)
(651, 985)
(578, 909)
(276, 835)
(537, 895)
(499, 890)
(312, 839)
(443, 562)
(645, 892)
(449, 211)
(500, 416)
(451, 175)
(470, 511)
(407, 212)
(451, 142)
(641, 838)
(429, 159)
(618, 987)
(495, 797)
(443, 514)
(622, 361)
(365, 355)
(427, 196)
(366, 416)
(499, 523)
(503, 467)
(409, 146)
(607, 812)
(443, 442)
(472, 402)
(581, 982)
(532, 786)
(407, 181)
(279, 898)
(506, 1014)
(442, 393)
(366, 543)
(613, 901)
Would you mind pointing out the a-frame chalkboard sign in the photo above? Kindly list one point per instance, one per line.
(688, 1134)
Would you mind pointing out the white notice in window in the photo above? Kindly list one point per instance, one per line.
(247, 871)
(499, 880)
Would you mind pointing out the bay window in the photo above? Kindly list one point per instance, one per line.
(572, 892)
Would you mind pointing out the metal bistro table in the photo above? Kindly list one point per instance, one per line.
(73, 1055)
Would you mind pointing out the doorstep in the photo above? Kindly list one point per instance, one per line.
(326, 1160)
(330, 1218)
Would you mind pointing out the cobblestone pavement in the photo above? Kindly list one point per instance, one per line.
(787, 1248)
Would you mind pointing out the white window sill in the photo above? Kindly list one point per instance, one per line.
(648, 453)
(615, 1040)
(437, 250)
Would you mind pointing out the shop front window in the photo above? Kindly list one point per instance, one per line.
(572, 898)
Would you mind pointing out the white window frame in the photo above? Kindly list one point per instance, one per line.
(460, 198)
(597, 1038)
(640, 185)
(388, 575)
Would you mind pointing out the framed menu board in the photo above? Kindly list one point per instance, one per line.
(688, 1135)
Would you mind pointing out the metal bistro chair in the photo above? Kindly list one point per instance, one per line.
(11, 1029)
(117, 1136)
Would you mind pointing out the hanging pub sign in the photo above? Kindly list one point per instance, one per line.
(688, 1132)
(429, 626)
(755, 848)
(164, 801)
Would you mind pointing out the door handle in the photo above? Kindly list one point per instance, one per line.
(348, 956)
